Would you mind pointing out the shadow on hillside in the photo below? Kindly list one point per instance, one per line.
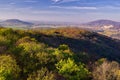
(97, 46)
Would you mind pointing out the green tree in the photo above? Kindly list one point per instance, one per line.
(29, 58)
(10, 34)
(71, 71)
(4, 43)
(9, 70)
(63, 52)
(42, 74)
(32, 47)
(46, 60)
(63, 47)
(25, 39)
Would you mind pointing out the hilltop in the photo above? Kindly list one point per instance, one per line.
(102, 23)
(16, 23)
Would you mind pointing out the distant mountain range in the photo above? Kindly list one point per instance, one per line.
(15, 23)
(93, 24)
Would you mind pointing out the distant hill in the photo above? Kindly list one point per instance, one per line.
(15, 23)
(103, 23)
(98, 24)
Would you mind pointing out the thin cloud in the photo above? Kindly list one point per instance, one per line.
(68, 1)
(74, 7)
(56, 0)
(63, 1)
(44, 12)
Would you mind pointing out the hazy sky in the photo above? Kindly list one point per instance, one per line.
(60, 10)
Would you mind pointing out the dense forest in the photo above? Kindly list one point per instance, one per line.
(58, 54)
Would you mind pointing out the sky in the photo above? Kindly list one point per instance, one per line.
(60, 10)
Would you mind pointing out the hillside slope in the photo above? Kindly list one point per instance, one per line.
(79, 40)
(94, 45)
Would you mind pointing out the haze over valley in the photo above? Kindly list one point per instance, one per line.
(106, 27)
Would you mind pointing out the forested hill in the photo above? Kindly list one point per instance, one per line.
(79, 40)
(57, 54)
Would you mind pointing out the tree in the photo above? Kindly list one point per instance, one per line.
(106, 71)
(32, 47)
(63, 52)
(9, 70)
(32, 56)
(25, 39)
(42, 74)
(63, 47)
(71, 71)
(10, 34)
(4, 43)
